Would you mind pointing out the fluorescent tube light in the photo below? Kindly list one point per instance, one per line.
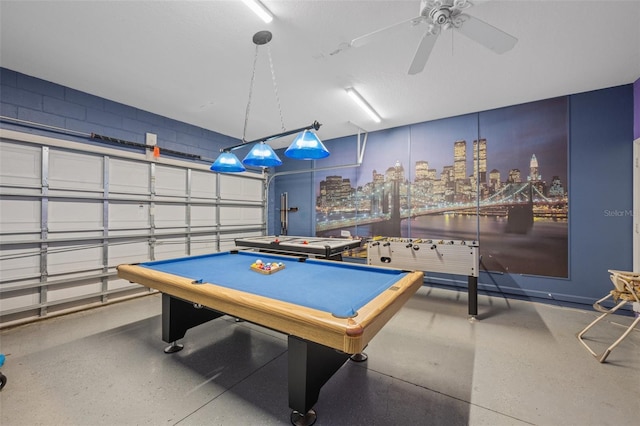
(363, 104)
(259, 9)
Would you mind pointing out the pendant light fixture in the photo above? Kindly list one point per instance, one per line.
(227, 162)
(262, 155)
(306, 146)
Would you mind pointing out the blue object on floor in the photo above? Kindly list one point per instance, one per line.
(3, 378)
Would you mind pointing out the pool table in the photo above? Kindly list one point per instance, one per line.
(329, 310)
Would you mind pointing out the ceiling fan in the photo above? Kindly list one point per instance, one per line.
(439, 15)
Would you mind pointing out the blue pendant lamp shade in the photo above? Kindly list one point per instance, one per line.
(306, 146)
(262, 155)
(227, 162)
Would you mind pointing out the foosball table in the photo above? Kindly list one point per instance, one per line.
(458, 257)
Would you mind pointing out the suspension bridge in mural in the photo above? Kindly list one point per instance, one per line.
(519, 203)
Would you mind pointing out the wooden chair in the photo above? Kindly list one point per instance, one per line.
(626, 290)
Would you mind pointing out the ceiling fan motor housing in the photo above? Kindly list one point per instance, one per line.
(440, 15)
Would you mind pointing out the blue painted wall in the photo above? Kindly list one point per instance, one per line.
(601, 147)
(30, 99)
(600, 200)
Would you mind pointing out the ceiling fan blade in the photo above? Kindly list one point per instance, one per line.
(422, 52)
(383, 32)
(487, 35)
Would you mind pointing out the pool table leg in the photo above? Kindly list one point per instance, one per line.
(310, 366)
(178, 316)
(473, 297)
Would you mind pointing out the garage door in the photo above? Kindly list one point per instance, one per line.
(70, 213)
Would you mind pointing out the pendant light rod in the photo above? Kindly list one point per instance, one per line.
(314, 126)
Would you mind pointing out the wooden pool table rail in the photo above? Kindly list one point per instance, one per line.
(349, 335)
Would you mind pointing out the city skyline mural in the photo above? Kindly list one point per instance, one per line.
(498, 177)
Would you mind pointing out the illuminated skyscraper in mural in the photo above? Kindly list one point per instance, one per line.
(494, 180)
(422, 170)
(514, 176)
(556, 190)
(460, 160)
(534, 175)
(395, 173)
(377, 178)
(447, 176)
(480, 160)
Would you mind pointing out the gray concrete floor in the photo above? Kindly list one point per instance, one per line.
(520, 363)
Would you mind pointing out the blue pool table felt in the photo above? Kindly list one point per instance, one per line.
(337, 287)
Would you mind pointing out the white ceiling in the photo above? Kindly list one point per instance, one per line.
(192, 60)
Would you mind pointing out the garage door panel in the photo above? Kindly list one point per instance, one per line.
(19, 262)
(168, 248)
(65, 258)
(128, 177)
(171, 181)
(77, 171)
(170, 215)
(127, 215)
(20, 299)
(239, 188)
(241, 215)
(202, 215)
(128, 252)
(202, 244)
(19, 215)
(20, 165)
(74, 290)
(69, 215)
(119, 284)
(203, 185)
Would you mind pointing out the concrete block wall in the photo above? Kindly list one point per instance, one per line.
(30, 99)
